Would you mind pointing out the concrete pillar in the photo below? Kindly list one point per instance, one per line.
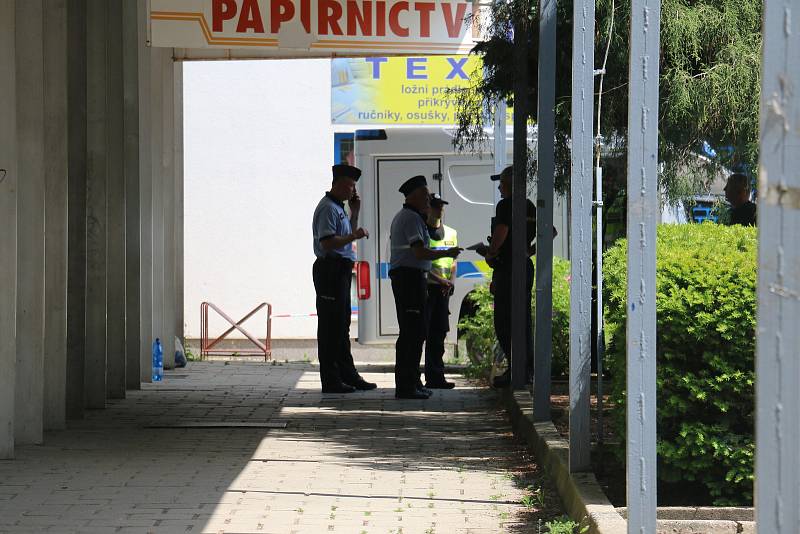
(168, 193)
(130, 66)
(179, 259)
(28, 426)
(56, 177)
(96, 198)
(115, 211)
(545, 172)
(643, 208)
(157, 136)
(8, 221)
(76, 197)
(145, 195)
(777, 475)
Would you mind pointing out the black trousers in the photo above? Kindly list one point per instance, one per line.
(437, 317)
(409, 288)
(501, 281)
(332, 279)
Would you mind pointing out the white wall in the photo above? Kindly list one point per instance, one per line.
(258, 152)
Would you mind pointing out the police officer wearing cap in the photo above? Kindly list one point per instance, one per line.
(333, 247)
(410, 259)
(441, 280)
(498, 256)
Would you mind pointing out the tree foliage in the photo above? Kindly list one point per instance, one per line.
(709, 84)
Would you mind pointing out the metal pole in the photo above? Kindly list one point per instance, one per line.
(580, 318)
(544, 210)
(777, 492)
(519, 245)
(600, 341)
(642, 217)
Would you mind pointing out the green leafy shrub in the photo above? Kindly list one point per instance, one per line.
(478, 329)
(565, 525)
(705, 347)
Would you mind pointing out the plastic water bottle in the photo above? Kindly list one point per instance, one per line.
(158, 361)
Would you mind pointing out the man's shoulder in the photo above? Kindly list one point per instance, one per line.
(398, 216)
(324, 202)
(503, 210)
(745, 211)
(328, 204)
(407, 215)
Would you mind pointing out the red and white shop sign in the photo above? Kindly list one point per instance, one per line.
(315, 27)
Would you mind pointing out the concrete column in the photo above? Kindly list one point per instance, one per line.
(56, 177)
(76, 197)
(545, 116)
(777, 476)
(179, 259)
(643, 210)
(8, 221)
(580, 315)
(29, 407)
(157, 136)
(96, 198)
(115, 212)
(145, 195)
(519, 247)
(130, 66)
(168, 193)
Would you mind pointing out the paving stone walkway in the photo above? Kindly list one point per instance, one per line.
(359, 463)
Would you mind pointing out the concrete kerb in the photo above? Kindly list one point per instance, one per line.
(703, 519)
(583, 497)
(581, 494)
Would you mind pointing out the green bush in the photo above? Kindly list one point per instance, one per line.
(478, 329)
(705, 347)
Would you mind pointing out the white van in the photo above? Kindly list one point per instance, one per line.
(387, 158)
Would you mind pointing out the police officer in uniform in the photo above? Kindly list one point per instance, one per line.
(498, 256)
(411, 258)
(441, 280)
(333, 247)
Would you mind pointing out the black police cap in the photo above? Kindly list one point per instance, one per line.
(346, 171)
(412, 184)
(437, 200)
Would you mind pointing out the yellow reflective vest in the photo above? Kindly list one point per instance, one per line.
(444, 266)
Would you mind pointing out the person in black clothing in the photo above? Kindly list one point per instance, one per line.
(498, 256)
(737, 193)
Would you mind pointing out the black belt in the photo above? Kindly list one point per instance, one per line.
(336, 259)
(409, 271)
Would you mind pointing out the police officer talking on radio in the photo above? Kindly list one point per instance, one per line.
(441, 280)
(333, 247)
(410, 259)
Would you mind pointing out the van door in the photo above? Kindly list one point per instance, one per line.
(391, 172)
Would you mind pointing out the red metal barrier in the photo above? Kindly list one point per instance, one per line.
(208, 347)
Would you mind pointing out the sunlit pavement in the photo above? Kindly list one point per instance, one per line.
(362, 462)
